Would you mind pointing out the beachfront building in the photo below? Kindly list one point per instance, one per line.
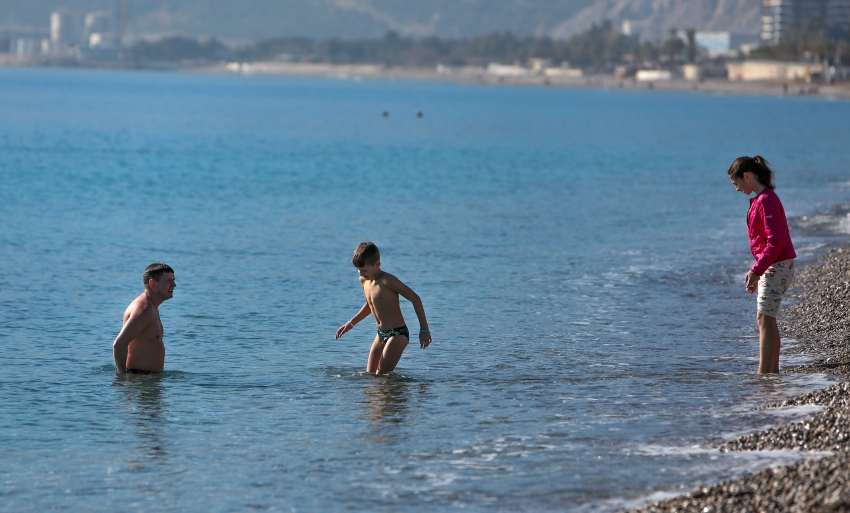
(653, 75)
(98, 29)
(506, 70)
(22, 42)
(723, 43)
(64, 31)
(773, 70)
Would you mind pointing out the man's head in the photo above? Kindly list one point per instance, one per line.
(159, 279)
(367, 260)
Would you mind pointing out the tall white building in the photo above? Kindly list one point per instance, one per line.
(779, 16)
(63, 27)
(776, 16)
(838, 15)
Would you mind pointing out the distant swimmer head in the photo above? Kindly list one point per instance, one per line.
(758, 168)
(159, 278)
(367, 259)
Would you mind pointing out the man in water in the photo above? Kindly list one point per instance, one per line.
(138, 349)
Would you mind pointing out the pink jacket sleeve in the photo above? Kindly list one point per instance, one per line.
(776, 233)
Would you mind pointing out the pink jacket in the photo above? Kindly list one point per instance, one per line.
(767, 227)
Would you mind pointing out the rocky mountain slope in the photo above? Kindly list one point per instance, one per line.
(251, 19)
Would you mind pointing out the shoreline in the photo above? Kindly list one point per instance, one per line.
(820, 320)
(480, 76)
(476, 76)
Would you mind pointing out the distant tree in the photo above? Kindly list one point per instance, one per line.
(842, 53)
(387, 50)
(673, 46)
(295, 48)
(599, 48)
(647, 52)
(692, 45)
(497, 46)
(179, 48)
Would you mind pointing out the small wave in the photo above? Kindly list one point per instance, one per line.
(358, 373)
(835, 221)
(796, 413)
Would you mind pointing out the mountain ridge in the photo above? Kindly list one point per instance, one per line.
(252, 19)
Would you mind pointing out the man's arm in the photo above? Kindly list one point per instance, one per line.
(362, 314)
(134, 326)
(408, 294)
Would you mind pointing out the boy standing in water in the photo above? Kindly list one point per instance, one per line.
(382, 290)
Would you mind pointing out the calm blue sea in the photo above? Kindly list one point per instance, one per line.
(580, 255)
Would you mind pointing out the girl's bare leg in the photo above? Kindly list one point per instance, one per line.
(769, 343)
(375, 355)
(392, 353)
(778, 345)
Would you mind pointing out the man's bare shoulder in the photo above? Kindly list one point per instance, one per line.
(142, 306)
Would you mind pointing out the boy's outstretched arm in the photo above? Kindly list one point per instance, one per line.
(362, 314)
(408, 294)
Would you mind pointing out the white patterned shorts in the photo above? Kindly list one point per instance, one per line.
(773, 284)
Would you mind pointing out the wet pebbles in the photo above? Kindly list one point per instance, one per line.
(820, 320)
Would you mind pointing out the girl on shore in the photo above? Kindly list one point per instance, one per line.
(771, 245)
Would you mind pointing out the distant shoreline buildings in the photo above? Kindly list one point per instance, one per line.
(98, 38)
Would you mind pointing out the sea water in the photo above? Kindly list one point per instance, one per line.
(580, 255)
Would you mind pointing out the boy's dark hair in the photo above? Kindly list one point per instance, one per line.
(365, 254)
(755, 165)
(155, 271)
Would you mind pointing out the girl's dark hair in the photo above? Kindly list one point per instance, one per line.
(755, 165)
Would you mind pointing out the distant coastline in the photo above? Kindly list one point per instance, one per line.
(479, 75)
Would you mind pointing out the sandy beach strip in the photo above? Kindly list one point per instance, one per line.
(820, 320)
(479, 75)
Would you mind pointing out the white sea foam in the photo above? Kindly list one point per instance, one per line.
(803, 383)
(844, 224)
(796, 413)
(716, 466)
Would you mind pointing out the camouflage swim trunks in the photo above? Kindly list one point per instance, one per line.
(773, 284)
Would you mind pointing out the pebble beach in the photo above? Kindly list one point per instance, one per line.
(819, 318)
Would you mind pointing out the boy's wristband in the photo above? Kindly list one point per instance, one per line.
(423, 330)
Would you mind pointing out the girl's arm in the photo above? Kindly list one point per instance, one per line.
(775, 230)
(362, 314)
